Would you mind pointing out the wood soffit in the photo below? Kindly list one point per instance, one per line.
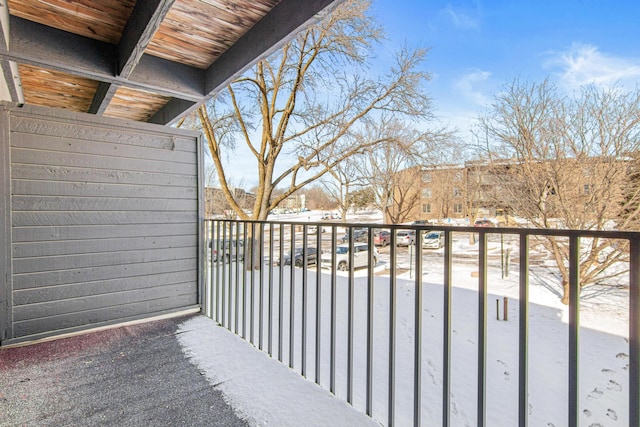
(146, 60)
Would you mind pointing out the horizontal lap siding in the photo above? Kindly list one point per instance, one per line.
(104, 224)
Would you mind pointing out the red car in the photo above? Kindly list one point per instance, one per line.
(381, 238)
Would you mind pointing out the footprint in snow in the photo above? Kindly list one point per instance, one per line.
(507, 375)
(608, 371)
(612, 414)
(502, 363)
(595, 394)
(587, 412)
(595, 425)
(622, 356)
(614, 386)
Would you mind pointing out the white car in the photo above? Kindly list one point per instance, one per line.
(405, 237)
(360, 257)
(433, 240)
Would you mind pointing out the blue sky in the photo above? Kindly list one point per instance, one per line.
(477, 46)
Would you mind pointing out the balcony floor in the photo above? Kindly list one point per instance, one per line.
(141, 375)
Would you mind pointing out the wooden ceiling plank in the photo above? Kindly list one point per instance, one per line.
(56, 89)
(100, 20)
(209, 26)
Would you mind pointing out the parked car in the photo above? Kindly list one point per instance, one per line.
(360, 257)
(227, 250)
(359, 235)
(483, 223)
(433, 240)
(313, 229)
(419, 222)
(312, 257)
(405, 237)
(381, 237)
(331, 215)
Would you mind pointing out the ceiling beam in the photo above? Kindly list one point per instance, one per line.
(143, 23)
(172, 111)
(102, 98)
(46, 47)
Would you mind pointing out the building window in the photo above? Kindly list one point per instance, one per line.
(426, 177)
(456, 192)
(457, 208)
(426, 193)
(426, 208)
(586, 189)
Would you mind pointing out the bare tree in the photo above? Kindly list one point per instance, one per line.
(296, 113)
(389, 168)
(342, 180)
(317, 198)
(563, 162)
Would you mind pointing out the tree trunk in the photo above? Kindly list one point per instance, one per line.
(252, 251)
(565, 292)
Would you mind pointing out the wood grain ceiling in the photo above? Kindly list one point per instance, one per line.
(147, 60)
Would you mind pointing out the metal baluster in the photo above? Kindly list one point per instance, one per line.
(392, 330)
(417, 361)
(523, 334)
(281, 296)
(350, 308)
(370, 303)
(634, 333)
(304, 299)
(574, 326)
(482, 329)
(292, 300)
(446, 332)
(332, 376)
(318, 301)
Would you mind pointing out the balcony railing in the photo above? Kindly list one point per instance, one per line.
(360, 332)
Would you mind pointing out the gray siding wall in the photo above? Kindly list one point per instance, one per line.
(104, 222)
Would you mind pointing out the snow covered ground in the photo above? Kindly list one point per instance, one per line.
(265, 391)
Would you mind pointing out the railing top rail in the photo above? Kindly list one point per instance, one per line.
(516, 231)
